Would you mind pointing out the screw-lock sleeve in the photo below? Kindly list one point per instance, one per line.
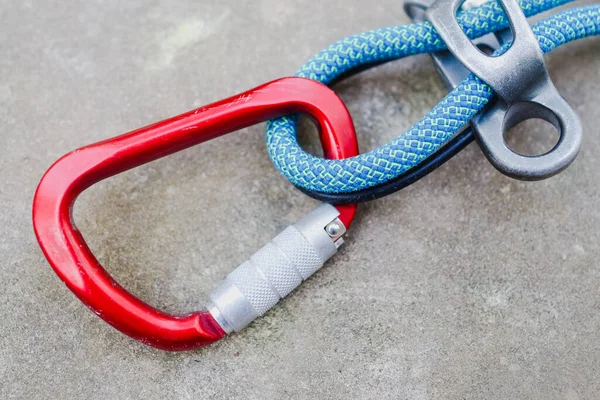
(274, 271)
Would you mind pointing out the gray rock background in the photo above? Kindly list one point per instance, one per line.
(465, 285)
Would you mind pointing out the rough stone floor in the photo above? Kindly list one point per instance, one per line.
(466, 285)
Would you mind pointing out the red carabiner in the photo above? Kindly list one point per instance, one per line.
(67, 251)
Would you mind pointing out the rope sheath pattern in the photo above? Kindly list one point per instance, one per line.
(446, 119)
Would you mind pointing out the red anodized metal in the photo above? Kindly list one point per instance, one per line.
(67, 251)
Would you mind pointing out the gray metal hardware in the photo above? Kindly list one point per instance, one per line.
(520, 79)
(451, 70)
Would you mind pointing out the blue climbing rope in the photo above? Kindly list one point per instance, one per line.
(444, 121)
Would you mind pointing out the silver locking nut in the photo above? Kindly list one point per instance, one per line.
(250, 290)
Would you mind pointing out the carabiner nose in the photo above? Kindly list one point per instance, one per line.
(73, 261)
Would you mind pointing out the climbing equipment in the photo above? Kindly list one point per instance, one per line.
(365, 177)
(251, 289)
(453, 72)
(528, 94)
(344, 177)
(452, 114)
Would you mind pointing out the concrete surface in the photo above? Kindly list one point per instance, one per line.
(467, 285)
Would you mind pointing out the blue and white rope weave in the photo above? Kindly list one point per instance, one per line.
(446, 119)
